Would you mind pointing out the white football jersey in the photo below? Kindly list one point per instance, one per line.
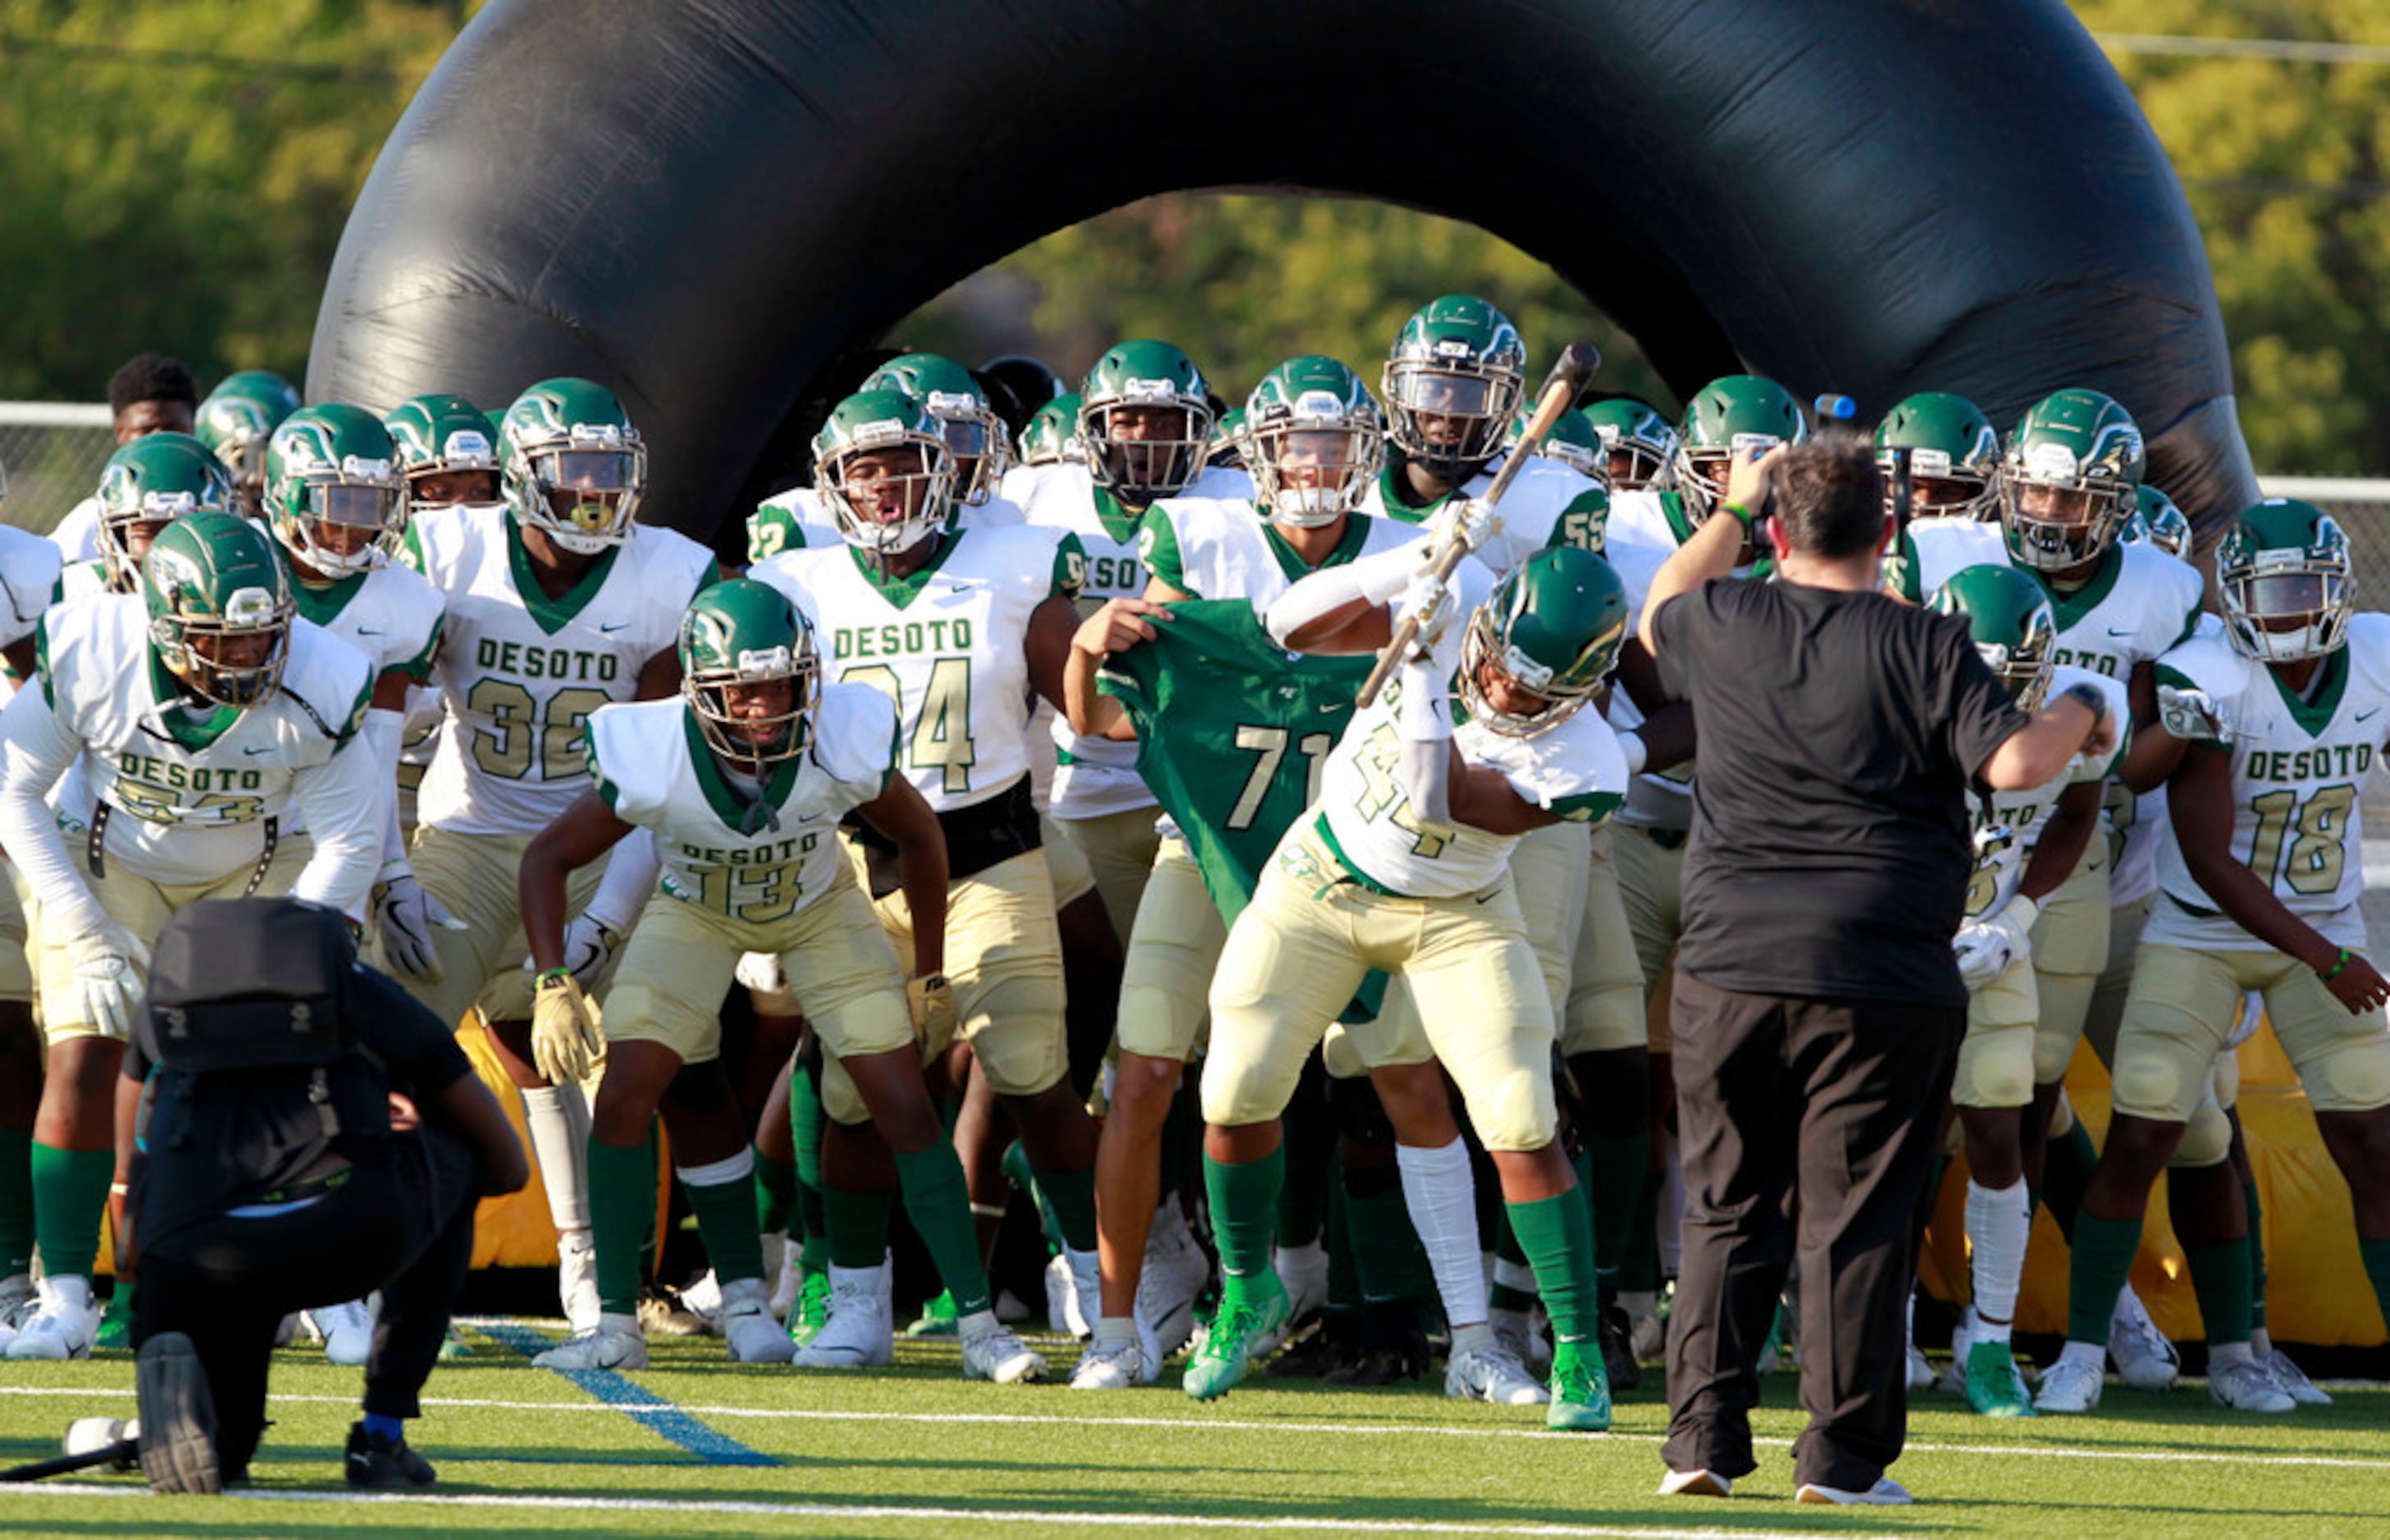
(2008, 823)
(521, 672)
(29, 578)
(77, 535)
(1093, 777)
(1548, 505)
(1573, 770)
(798, 519)
(390, 613)
(2298, 768)
(1219, 549)
(80, 580)
(752, 862)
(949, 645)
(188, 796)
(2139, 603)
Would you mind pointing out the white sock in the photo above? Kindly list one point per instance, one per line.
(2261, 1342)
(1999, 1221)
(69, 1289)
(737, 1167)
(2093, 1353)
(1438, 1190)
(1466, 1339)
(2226, 1352)
(558, 1119)
(1115, 1330)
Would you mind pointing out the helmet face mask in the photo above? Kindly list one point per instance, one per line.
(219, 609)
(974, 434)
(573, 465)
(2015, 631)
(1544, 644)
(750, 673)
(447, 449)
(2161, 522)
(2068, 479)
(1638, 445)
(1313, 442)
(1728, 416)
(2284, 573)
(1452, 383)
(884, 467)
(1954, 456)
(1145, 421)
(147, 485)
(335, 494)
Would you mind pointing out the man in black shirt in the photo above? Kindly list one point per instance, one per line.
(284, 1182)
(1817, 1008)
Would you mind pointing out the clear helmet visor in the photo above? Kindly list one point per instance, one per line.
(1310, 477)
(588, 471)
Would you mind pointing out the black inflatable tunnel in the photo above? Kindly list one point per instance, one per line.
(703, 202)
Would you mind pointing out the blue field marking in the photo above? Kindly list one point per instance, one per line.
(642, 1405)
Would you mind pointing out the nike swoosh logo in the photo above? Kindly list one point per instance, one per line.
(365, 631)
(2375, 712)
(267, 750)
(2113, 632)
(1485, 898)
(617, 625)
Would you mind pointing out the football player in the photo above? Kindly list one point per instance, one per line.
(235, 421)
(2271, 731)
(1404, 869)
(1051, 437)
(191, 716)
(558, 602)
(744, 779)
(1638, 445)
(148, 394)
(958, 625)
(155, 479)
(2025, 843)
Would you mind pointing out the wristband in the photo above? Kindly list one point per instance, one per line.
(1631, 745)
(548, 978)
(2090, 698)
(2336, 967)
(1743, 514)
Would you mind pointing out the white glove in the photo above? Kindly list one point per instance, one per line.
(1431, 598)
(2191, 714)
(404, 914)
(761, 972)
(589, 945)
(1466, 520)
(107, 975)
(1986, 948)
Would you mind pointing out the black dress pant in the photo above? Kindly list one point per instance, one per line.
(1807, 1128)
(227, 1282)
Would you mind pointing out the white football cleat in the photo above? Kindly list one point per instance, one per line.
(1303, 1272)
(1085, 1270)
(746, 1323)
(2144, 1359)
(994, 1355)
(60, 1327)
(1521, 1338)
(1884, 1493)
(2292, 1380)
(1112, 1366)
(1176, 1272)
(1062, 1299)
(1962, 1338)
(859, 1334)
(576, 1280)
(2242, 1385)
(347, 1330)
(2069, 1388)
(1494, 1374)
(703, 1299)
(615, 1342)
(19, 1300)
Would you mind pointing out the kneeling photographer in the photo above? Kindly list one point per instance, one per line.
(300, 1132)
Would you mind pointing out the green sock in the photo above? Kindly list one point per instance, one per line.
(2221, 1276)
(726, 1222)
(69, 1196)
(1244, 1212)
(2376, 1257)
(1613, 1180)
(775, 1194)
(2256, 1257)
(1385, 1244)
(622, 1217)
(939, 1205)
(858, 1222)
(1071, 1196)
(2066, 1168)
(16, 1202)
(2103, 1255)
(1557, 1235)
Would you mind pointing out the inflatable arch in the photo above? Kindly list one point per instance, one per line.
(705, 204)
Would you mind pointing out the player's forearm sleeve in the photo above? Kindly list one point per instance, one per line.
(630, 878)
(383, 736)
(1372, 580)
(343, 800)
(35, 749)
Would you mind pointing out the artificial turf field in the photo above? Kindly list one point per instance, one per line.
(693, 1445)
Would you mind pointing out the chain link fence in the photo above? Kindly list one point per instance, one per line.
(51, 452)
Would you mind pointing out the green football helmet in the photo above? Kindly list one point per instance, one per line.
(2157, 521)
(1729, 415)
(1954, 456)
(1452, 383)
(440, 436)
(573, 463)
(1552, 628)
(974, 433)
(1228, 451)
(1134, 450)
(238, 418)
(151, 481)
(2010, 620)
(2283, 571)
(219, 608)
(1313, 442)
(884, 468)
(1052, 434)
(335, 496)
(1638, 443)
(741, 633)
(1572, 442)
(2068, 478)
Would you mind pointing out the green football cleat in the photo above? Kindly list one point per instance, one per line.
(1994, 1386)
(812, 1312)
(1580, 1389)
(116, 1327)
(1250, 1309)
(937, 1316)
